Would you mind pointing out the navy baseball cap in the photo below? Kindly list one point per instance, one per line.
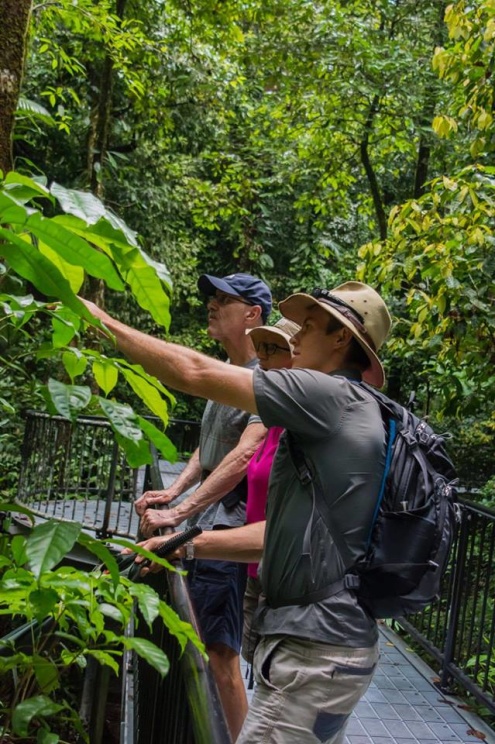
(250, 288)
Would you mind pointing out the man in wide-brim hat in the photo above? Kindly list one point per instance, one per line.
(319, 646)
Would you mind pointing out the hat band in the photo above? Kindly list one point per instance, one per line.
(350, 315)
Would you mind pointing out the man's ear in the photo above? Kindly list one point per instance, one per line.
(343, 337)
(253, 315)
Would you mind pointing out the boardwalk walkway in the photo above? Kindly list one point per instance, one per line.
(403, 706)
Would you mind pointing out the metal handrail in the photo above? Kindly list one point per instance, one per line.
(458, 630)
(204, 709)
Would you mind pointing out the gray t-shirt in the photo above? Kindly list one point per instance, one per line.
(221, 429)
(339, 428)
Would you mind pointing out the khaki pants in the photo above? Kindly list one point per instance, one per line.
(305, 691)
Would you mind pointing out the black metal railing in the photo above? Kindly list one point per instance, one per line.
(77, 472)
(184, 707)
(459, 629)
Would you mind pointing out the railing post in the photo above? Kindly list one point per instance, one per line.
(103, 531)
(453, 610)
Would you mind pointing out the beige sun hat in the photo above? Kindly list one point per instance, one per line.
(283, 328)
(359, 308)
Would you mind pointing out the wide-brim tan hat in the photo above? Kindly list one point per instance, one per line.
(359, 308)
(282, 329)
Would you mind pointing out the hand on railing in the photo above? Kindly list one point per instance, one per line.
(153, 498)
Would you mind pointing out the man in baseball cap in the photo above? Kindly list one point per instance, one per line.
(251, 289)
(237, 304)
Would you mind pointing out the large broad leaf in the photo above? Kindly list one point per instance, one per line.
(48, 543)
(34, 707)
(12, 211)
(27, 261)
(23, 188)
(144, 282)
(82, 204)
(159, 439)
(149, 652)
(89, 208)
(73, 274)
(148, 394)
(74, 249)
(68, 400)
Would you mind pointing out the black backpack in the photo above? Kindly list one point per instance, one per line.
(414, 519)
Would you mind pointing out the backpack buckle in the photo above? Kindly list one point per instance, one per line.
(351, 581)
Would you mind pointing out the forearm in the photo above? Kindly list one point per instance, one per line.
(226, 476)
(241, 544)
(189, 476)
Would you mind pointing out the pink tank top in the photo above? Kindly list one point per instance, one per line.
(258, 475)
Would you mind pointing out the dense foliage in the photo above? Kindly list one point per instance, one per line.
(276, 138)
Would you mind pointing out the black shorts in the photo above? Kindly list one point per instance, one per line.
(217, 590)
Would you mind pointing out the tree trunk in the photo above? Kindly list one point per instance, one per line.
(15, 15)
(369, 170)
(425, 139)
(101, 121)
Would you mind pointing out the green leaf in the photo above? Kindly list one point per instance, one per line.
(148, 601)
(18, 548)
(48, 543)
(102, 553)
(74, 362)
(64, 328)
(106, 374)
(123, 419)
(39, 706)
(160, 440)
(73, 274)
(46, 737)
(46, 674)
(144, 282)
(105, 659)
(24, 258)
(69, 400)
(12, 506)
(74, 249)
(137, 453)
(82, 204)
(43, 601)
(148, 394)
(150, 653)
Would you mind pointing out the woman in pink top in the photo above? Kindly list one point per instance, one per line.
(272, 344)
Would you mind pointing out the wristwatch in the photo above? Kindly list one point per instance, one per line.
(189, 546)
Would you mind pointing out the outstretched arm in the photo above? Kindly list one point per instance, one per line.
(180, 368)
(222, 480)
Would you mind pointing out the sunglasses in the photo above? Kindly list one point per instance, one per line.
(225, 299)
(269, 349)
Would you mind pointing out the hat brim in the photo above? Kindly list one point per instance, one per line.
(271, 332)
(208, 284)
(296, 308)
